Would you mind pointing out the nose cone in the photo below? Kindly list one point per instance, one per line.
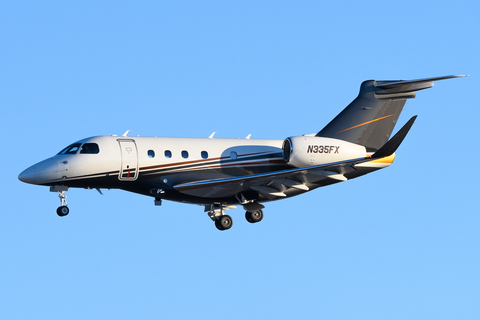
(29, 175)
(40, 173)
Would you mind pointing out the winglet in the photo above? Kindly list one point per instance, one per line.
(391, 146)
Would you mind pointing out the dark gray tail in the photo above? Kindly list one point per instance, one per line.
(370, 118)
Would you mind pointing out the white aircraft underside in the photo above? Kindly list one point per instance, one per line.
(222, 173)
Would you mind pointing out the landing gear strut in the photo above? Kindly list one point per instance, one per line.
(254, 216)
(63, 209)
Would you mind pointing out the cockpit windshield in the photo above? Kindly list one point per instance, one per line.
(71, 149)
(91, 148)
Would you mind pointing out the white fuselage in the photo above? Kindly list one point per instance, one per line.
(146, 164)
(128, 162)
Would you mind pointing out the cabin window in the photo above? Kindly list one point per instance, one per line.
(91, 148)
(71, 149)
(168, 154)
(184, 154)
(151, 154)
(233, 155)
(204, 154)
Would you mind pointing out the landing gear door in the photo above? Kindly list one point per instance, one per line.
(129, 169)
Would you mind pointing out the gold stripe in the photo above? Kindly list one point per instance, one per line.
(362, 124)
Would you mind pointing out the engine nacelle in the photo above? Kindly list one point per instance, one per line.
(308, 151)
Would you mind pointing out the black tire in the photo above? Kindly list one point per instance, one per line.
(248, 216)
(62, 211)
(225, 222)
(256, 216)
(218, 225)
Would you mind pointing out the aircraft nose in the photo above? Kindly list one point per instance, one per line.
(29, 175)
(39, 173)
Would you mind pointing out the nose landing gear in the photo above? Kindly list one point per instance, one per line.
(63, 209)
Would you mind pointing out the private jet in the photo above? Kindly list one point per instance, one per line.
(220, 174)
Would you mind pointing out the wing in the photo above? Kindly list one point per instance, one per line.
(281, 183)
(271, 184)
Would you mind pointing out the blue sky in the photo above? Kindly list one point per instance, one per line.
(400, 243)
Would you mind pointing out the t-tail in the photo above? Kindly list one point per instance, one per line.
(370, 119)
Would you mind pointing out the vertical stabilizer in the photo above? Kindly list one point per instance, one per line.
(370, 119)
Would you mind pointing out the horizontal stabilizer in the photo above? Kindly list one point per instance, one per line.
(401, 83)
(391, 146)
(405, 88)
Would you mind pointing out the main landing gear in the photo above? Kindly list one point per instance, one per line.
(254, 216)
(216, 213)
(63, 209)
(224, 221)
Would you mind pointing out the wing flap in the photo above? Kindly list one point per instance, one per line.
(289, 183)
(268, 192)
(330, 174)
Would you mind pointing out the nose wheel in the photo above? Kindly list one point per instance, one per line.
(62, 211)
